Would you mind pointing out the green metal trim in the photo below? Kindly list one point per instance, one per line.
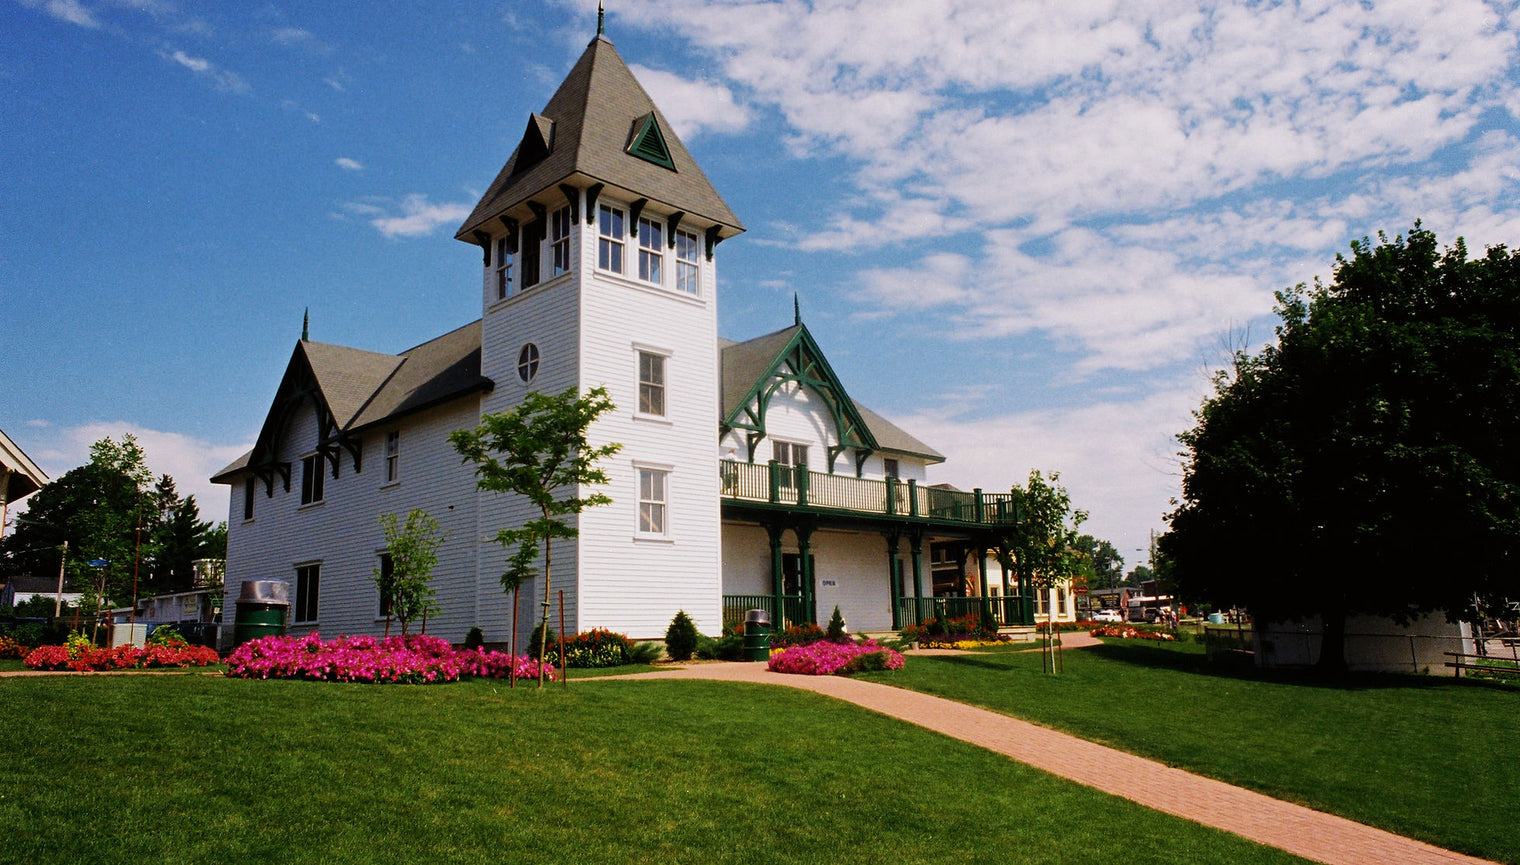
(802, 361)
(648, 142)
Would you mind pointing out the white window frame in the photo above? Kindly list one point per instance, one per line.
(559, 242)
(652, 521)
(655, 388)
(313, 480)
(505, 287)
(651, 251)
(393, 456)
(790, 448)
(688, 263)
(611, 225)
(529, 359)
(308, 599)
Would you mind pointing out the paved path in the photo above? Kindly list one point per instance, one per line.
(1302, 831)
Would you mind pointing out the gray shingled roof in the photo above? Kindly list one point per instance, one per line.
(22, 477)
(593, 115)
(745, 362)
(365, 388)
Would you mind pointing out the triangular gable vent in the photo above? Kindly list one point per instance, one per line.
(648, 142)
(537, 141)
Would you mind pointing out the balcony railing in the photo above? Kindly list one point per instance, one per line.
(778, 484)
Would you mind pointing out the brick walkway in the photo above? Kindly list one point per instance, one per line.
(1302, 831)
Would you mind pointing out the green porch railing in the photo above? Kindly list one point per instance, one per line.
(735, 606)
(797, 486)
(1005, 610)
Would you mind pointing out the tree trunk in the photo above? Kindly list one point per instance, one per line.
(1332, 647)
(543, 631)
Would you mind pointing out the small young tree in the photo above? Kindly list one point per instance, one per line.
(1040, 548)
(540, 450)
(411, 550)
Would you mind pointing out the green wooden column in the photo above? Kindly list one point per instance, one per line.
(916, 552)
(892, 540)
(778, 588)
(805, 567)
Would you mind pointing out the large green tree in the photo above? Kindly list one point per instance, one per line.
(1368, 460)
(1107, 566)
(541, 451)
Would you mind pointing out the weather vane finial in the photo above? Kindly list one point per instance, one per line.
(796, 310)
(306, 325)
(601, 18)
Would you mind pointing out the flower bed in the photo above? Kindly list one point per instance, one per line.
(1130, 632)
(417, 660)
(958, 642)
(828, 659)
(120, 658)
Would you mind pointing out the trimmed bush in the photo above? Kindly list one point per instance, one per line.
(681, 637)
(475, 638)
(837, 633)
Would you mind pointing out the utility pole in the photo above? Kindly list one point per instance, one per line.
(58, 602)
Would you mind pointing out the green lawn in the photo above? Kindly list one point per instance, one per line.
(207, 769)
(1433, 758)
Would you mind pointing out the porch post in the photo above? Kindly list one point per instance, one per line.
(892, 581)
(805, 569)
(916, 554)
(777, 588)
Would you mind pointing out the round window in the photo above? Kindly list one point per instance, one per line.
(527, 363)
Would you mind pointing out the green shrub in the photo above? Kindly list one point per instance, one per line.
(837, 632)
(475, 638)
(645, 653)
(166, 636)
(729, 647)
(681, 637)
(542, 630)
(596, 648)
(797, 635)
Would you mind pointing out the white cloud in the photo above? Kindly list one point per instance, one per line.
(70, 11)
(189, 460)
(1117, 459)
(222, 79)
(693, 107)
(418, 217)
(347, 164)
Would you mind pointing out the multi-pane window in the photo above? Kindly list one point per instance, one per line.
(392, 456)
(308, 587)
(532, 237)
(651, 244)
(687, 246)
(609, 241)
(889, 467)
(504, 286)
(652, 501)
(793, 459)
(311, 479)
(651, 383)
(249, 486)
(527, 363)
(559, 241)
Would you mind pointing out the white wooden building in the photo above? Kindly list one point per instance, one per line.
(748, 476)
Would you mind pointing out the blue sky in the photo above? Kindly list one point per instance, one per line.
(1026, 232)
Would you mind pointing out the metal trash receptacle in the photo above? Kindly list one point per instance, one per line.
(261, 610)
(757, 635)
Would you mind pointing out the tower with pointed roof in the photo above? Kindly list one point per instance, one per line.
(597, 241)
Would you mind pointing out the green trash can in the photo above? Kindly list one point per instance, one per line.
(757, 635)
(260, 610)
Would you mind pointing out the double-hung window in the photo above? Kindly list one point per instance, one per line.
(393, 456)
(559, 241)
(311, 479)
(652, 490)
(793, 460)
(308, 588)
(387, 575)
(249, 486)
(651, 383)
(651, 246)
(504, 286)
(687, 246)
(531, 240)
(609, 241)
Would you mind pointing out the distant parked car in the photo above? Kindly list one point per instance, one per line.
(1107, 616)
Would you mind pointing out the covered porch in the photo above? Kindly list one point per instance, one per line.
(807, 541)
